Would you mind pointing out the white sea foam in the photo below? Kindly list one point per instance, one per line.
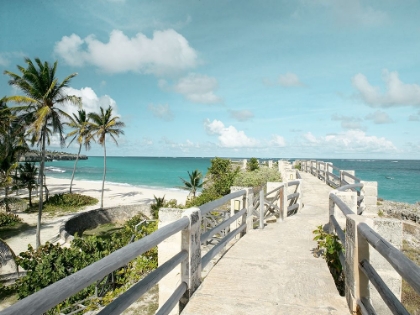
(54, 169)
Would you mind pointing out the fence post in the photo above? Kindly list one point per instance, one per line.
(299, 190)
(261, 209)
(283, 200)
(190, 241)
(369, 192)
(350, 199)
(356, 249)
(250, 208)
(342, 177)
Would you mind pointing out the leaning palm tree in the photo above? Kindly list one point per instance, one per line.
(194, 183)
(80, 133)
(104, 124)
(42, 92)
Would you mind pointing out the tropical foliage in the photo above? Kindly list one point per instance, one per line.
(27, 178)
(38, 110)
(253, 164)
(194, 182)
(257, 177)
(9, 219)
(104, 124)
(50, 263)
(81, 133)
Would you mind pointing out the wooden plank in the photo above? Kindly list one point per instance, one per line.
(341, 205)
(404, 266)
(389, 298)
(217, 248)
(204, 237)
(207, 207)
(173, 299)
(123, 301)
(43, 300)
(338, 230)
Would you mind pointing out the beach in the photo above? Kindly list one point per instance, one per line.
(114, 195)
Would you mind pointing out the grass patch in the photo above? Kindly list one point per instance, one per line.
(409, 298)
(61, 204)
(10, 231)
(103, 231)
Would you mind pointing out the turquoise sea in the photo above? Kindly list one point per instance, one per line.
(397, 180)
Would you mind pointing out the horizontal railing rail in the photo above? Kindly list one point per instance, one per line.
(47, 298)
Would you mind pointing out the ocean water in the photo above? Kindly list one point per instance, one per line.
(397, 180)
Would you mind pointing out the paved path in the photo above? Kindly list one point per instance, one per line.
(273, 271)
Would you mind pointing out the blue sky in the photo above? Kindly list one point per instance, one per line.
(280, 79)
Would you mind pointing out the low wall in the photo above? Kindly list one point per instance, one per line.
(91, 219)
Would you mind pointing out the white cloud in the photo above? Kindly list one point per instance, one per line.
(91, 101)
(277, 141)
(351, 141)
(161, 111)
(289, 79)
(349, 122)
(197, 88)
(397, 92)
(229, 137)
(241, 115)
(165, 53)
(379, 117)
(4, 61)
(5, 58)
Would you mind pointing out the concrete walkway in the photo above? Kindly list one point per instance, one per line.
(273, 271)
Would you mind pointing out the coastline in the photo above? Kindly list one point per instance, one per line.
(114, 195)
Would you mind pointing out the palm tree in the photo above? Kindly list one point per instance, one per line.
(10, 148)
(42, 92)
(28, 178)
(104, 124)
(194, 183)
(81, 132)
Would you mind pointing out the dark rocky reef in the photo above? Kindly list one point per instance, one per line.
(35, 156)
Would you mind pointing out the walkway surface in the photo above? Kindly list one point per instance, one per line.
(273, 271)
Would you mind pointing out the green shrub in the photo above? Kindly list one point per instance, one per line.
(330, 248)
(71, 200)
(257, 178)
(9, 219)
(253, 164)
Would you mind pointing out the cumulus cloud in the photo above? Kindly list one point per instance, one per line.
(397, 93)
(289, 79)
(379, 117)
(241, 115)
(165, 53)
(229, 137)
(351, 141)
(5, 57)
(196, 88)
(161, 111)
(349, 122)
(90, 100)
(277, 141)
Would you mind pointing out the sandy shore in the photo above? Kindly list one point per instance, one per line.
(114, 195)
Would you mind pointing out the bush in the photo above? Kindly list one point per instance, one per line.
(253, 164)
(9, 219)
(71, 200)
(257, 178)
(50, 263)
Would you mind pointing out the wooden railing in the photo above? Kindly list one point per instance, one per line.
(346, 204)
(195, 229)
(359, 270)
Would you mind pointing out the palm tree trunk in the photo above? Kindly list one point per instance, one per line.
(30, 196)
(6, 198)
(103, 180)
(41, 195)
(74, 168)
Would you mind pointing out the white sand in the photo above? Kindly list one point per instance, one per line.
(114, 195)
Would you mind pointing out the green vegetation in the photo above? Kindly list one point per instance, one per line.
(9, 219)
(194, 182)
(50, 263)
(409, 297)
(104, 124)
(253, 164)
(160, 202)
(298, 166)
(257, 178)
(27, 178)
(219, 179)
(81, 131)
(329, 247)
